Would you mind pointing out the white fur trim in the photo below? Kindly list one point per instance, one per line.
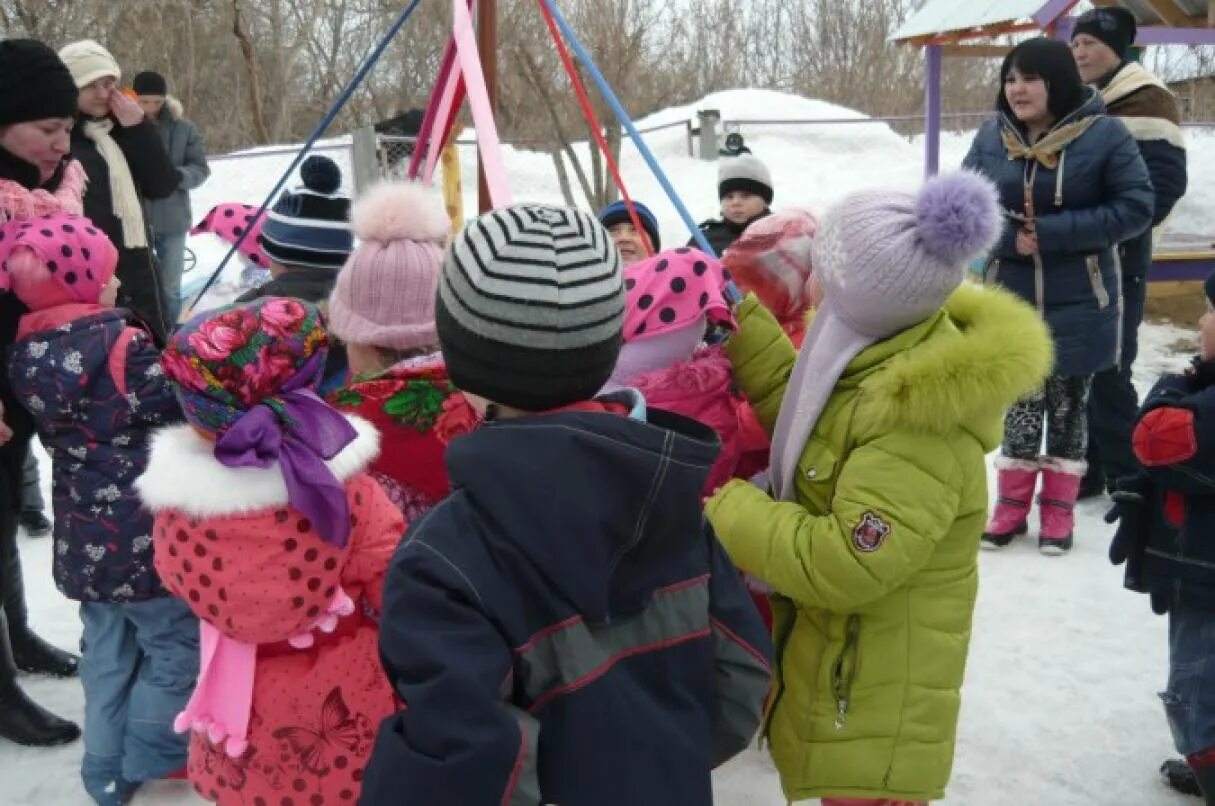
(183, 474)
(1155, 129)
(1009, 463)
(1072, 467)
(401, 211)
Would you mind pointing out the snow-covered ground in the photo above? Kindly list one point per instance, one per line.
(1060, 705)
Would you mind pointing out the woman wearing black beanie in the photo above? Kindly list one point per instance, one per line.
(37, 111)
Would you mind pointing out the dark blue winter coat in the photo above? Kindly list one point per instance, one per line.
(1167, 533)
(565, 627)
(95, 388)
(1098, 197)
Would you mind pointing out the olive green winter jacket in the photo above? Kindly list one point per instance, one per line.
(875, 563)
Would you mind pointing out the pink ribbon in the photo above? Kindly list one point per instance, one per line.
(488, 143)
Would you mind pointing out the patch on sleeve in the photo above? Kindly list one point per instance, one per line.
(871, 532)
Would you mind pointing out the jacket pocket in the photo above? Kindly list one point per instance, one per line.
(843, 670)
(1093, 265)
(817, 466)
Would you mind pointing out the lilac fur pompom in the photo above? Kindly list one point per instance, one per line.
(958, 217)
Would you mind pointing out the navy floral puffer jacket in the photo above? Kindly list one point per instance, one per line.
(96, 388)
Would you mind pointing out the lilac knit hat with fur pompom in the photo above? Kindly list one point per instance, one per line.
(887, 261)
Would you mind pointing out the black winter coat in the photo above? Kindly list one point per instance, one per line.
(155, 178)
(721, 234)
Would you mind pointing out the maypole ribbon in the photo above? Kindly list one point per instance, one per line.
(449, 103)
(588, 112)
(623, 116)
(425, 134)
(482, 110)
(343, 98)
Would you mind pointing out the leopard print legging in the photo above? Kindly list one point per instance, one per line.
(1062, 405)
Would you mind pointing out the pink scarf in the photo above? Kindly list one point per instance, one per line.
(17, 201)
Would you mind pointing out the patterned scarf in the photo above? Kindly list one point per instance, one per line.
(123, 196)
(1047, 150)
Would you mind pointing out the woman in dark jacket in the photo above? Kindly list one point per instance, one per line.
(126, 162)
(37, 109)
(1073, 187)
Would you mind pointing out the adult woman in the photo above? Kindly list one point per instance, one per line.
(126, 162)
(1073, 186)
(37, 108)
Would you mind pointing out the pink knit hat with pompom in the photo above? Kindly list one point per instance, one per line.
(385, 294)
(57, 259)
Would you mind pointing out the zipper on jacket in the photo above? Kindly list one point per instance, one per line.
(1093, 262)
(843, 672)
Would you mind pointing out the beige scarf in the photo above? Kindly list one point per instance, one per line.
(1046, 151)
(124, 198)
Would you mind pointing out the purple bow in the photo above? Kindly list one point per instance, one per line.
(299, 431)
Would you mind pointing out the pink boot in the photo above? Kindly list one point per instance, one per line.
(1016, 479)
(1060, 486)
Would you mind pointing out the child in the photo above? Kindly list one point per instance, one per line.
(673, 299)
(744, 188)
(629, 242)
(268, 526)
(93, 383)
(563, 628)
(880, 429)
(773, 259)
(306, 236)
(1165, 539)
(383, 308)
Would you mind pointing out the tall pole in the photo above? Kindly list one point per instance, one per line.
(487, 45)
(932, 110)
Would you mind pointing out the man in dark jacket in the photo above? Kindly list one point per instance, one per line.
(126, 162)
(1100, 43)
(171, 218)
(564, 628)
(744, 188)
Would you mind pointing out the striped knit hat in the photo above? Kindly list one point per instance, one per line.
(530, 307)
(310, 227)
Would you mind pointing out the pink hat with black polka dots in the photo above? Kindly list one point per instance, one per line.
(672, 290)
(57, 259)
(229, 221)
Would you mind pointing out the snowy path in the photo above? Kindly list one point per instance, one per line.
(1060, 705)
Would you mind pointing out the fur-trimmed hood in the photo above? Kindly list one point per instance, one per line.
(183, 474)
(172, 110)
(967, 366)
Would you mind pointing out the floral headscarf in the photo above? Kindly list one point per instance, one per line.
(248, 374)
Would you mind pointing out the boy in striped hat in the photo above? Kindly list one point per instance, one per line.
(566, 602)
(307, 237)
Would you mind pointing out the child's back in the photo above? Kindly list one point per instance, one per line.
(563, 628)
(383, 308)
(95, 389)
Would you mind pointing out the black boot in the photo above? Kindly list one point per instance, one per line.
(1178, 774)
(30, 652)
(36, 523)
(21, 719)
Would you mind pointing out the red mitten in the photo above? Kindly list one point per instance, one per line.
(1165, 436)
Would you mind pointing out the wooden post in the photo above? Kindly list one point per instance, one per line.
(487, 45)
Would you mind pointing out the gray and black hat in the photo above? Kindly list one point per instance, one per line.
(530, 307)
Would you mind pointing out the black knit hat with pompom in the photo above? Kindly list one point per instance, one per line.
(309, 227)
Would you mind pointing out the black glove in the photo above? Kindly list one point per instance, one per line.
(1130, 512)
